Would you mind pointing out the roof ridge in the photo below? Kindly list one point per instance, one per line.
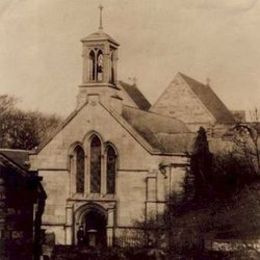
(121, 81)
(197, 81)
(14, 149)
(60, 127)
(136, 95)
(157, 114)
(73, 114)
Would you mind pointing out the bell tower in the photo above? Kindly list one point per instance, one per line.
(100, 55)
(99, 58)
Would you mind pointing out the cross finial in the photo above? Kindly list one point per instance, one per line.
(100, 18)
(208, 81)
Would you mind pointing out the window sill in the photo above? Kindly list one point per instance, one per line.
(94, 197)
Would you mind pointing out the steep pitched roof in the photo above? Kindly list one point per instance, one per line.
(136, 95)
(15, 159)
(19, 157)
(166, 134)
(163, 134)
(210, 100)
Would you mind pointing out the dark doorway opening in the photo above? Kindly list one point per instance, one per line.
(95, 229)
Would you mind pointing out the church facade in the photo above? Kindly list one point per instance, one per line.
(112, 162)
(116, 159)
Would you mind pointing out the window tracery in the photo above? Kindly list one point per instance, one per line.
(96, 65)
(95, 165)
(111, 169)
(80, 169)
(100, 176)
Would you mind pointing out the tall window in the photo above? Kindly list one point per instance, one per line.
(95, 165)
(100, 65)
(96, 65)
(92, 65)
(111, 169)
(80, 169)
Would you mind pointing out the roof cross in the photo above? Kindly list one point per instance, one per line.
(100, 18)
(208, 81)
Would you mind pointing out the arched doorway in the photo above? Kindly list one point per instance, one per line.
(93, 222)
(95, 229)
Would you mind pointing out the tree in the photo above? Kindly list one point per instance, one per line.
(225, 198)
(246, 138)
(23, 130)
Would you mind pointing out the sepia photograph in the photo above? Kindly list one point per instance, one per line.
(129, 129)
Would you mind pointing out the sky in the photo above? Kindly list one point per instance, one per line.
(40, 48)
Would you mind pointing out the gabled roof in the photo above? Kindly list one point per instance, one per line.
(19, 157)
(136, 95)
(210, 100)
(166, 134)
(59, 128)
(156, 130)
(14, 159)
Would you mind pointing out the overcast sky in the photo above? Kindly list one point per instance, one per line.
(40, 48)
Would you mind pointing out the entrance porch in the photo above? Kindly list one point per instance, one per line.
(90, 224)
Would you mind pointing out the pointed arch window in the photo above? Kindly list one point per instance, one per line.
(92, 65)
(80, 169)
(95, 165)
(96, 65)
(111, 169)
(100, 60)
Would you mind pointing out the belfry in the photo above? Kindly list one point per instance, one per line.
(100, 55)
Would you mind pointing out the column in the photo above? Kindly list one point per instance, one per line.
(115, 60)
(69, 225)
(85, 67)
(110, 226)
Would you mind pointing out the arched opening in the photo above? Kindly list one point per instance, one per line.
(92, 65)
(100, 65)
(91, 228)
(95, 165)
(95, 229)
(80, 169)
(111, 169)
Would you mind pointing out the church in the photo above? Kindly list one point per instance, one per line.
(116, 159)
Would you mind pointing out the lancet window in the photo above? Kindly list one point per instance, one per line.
(80, 169)
(111, 169)
(95, 165)
(96, 65)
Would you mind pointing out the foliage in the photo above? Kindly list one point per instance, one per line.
(222, 196)
(23, 130)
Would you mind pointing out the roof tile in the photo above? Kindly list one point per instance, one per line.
(211, 101)
(136, 95)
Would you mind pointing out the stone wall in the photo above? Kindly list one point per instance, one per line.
(135, 165)
(180, 102)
